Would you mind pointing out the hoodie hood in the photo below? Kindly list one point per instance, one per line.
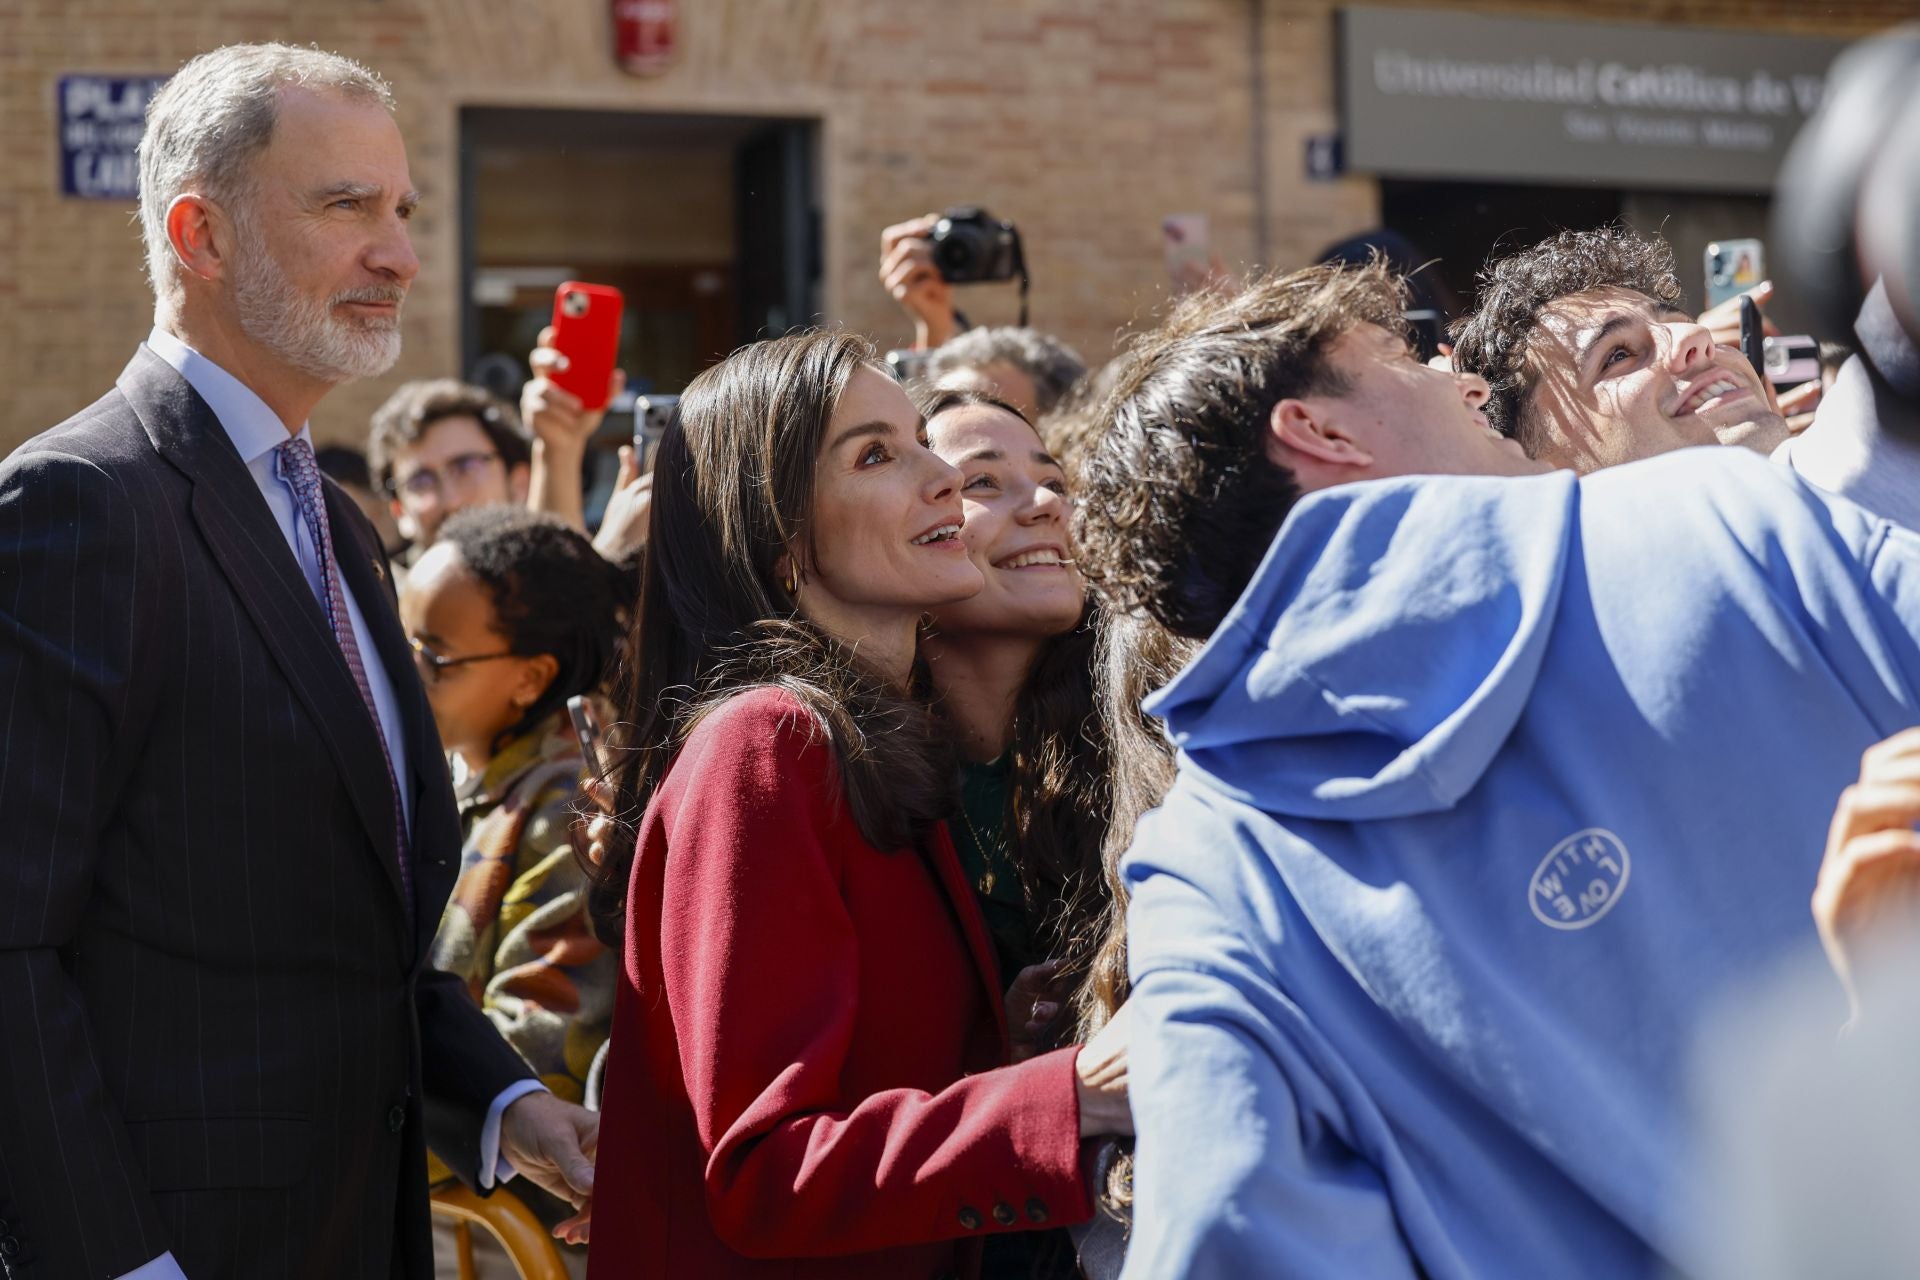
(1354, 681)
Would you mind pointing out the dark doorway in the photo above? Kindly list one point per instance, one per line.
(709, 225)
(1460, 223)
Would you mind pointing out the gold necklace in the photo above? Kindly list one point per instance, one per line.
(987, 851)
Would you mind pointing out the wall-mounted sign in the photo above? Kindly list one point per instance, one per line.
(1453, 95)
(101, 120)
(1326, 157)
(644, 35)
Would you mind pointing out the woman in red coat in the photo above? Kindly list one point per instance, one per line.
(807, 1074)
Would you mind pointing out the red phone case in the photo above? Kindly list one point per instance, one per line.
(586, 324)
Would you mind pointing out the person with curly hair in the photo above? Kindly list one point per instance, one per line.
(1591, 360)
(1221, 419)
(1475, 818)
(510, 614)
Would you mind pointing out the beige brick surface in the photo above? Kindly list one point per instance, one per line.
(1084, 120)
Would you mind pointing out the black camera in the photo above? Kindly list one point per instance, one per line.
(971, 246)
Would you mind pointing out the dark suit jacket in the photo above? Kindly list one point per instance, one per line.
(217, 1031)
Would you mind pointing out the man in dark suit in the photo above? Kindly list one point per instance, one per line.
(228, 827)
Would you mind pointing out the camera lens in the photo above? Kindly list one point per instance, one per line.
(954, 255)
(574, 304)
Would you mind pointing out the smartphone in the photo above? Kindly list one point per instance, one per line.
(651, 414)
(1752, 341)
(1791, 359)
(586, 728)
(1183, 238)
(586, 330)
(1733, 267)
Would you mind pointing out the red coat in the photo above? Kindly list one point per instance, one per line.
(801, 1077)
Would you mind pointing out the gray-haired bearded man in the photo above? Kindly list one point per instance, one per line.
(230, 831)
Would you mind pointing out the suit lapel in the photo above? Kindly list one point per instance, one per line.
(253, 554)
(973, 926)
(436, 823)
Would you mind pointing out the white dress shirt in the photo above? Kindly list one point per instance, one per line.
(256, 431)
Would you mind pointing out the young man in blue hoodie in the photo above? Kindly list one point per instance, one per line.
(1490, 789)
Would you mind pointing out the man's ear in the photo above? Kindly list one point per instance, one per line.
(1299, 432)
(198, 233)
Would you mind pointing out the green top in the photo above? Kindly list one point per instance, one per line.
(981, 839)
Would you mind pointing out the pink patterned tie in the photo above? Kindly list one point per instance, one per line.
(298, 470)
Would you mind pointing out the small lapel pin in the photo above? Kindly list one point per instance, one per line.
(379, 570)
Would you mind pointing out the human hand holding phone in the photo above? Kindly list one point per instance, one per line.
(601, 829)
(556, 416)
(629, 513)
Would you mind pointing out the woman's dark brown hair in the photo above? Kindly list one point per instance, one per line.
(733, 492)
(1135, 656)
(1058, 800)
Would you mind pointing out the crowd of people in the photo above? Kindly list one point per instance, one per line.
(1276, 804)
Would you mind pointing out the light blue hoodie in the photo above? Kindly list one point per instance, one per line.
(1489, 790)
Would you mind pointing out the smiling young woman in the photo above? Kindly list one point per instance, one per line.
(808, 1071)
(1011, 669)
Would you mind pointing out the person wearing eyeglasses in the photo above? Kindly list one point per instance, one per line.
(510, 614)
(439, 446)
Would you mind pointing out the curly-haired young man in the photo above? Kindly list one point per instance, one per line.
(1477, 817)
(1591, 361)
(1222, 418)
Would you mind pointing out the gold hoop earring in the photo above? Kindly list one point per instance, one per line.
(792, 579)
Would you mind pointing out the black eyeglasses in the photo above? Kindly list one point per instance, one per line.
(434, 665)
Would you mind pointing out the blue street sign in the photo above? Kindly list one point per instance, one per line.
(101, 120)
(1326, 157)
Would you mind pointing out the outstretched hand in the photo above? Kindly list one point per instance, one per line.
(1868, 894)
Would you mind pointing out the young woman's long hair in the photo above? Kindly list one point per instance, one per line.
(732, 493)
(1058, 803)
(1135, 656)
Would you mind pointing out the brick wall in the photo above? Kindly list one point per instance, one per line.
(1083, 120)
